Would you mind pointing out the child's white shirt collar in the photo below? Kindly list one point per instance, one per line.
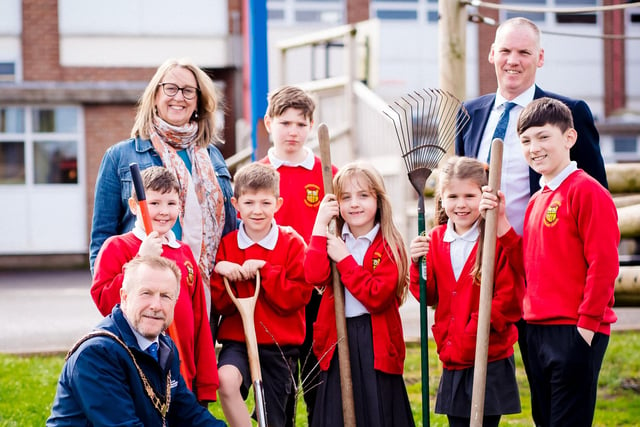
(471, 235)
(346, 231)
(268, 242)
(307, 163)
(170, 238)
(559, 179)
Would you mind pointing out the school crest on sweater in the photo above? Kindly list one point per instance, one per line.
(551, 215)
(312, 198)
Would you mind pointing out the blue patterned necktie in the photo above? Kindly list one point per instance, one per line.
(152, 350)
(501, 127)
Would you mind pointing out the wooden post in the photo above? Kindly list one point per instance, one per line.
(452, 47)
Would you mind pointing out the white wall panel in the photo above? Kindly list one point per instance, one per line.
(142, 52)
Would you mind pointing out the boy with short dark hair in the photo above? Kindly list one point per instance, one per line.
(190, 330)
(261, 245)
(289, 120)
(569, 254)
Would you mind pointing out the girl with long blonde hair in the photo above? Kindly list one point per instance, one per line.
(371, 258)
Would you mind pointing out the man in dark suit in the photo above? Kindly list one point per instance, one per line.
(516, 55)
(127, 371)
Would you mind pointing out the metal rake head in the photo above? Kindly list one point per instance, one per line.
(427, 122)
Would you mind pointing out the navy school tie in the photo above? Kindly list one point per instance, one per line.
(501, 127)
(153, 350)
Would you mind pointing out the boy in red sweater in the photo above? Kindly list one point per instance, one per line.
(570, 247)
(260, 244)
(289, 119)
(190, 329)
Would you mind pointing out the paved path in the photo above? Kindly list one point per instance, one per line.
(47, 311)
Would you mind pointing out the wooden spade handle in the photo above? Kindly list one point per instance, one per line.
(486, 291)
(246, 307)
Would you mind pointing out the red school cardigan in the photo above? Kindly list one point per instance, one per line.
(374, 285)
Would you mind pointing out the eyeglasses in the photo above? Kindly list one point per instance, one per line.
(170, 89)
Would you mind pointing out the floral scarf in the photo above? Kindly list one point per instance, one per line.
(201, 199)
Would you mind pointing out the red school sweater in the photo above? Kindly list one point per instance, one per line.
(197, 352)
(570, 247)
(374, 285)
(279, 312)
(456, 315)
(302, 190)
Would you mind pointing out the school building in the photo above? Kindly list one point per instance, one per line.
(71, 72)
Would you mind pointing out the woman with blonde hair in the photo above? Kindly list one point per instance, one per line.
(175, 127)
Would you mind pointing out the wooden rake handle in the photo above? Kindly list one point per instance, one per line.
(346, 385)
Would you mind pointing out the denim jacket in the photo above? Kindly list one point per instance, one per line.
(111, 214)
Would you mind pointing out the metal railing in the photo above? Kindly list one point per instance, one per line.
(352, 110)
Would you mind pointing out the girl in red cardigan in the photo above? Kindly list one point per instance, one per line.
(453, 258)
(372, 261)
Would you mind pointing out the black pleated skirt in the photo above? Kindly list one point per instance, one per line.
(501, 395)
(380, 399)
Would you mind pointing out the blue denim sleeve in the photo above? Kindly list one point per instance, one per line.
(107, 206)
(224, 179)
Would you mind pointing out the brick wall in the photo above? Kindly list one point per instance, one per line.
(40, 47)
(615, 89)
(357, 10)
(104, 126)
(486, 34)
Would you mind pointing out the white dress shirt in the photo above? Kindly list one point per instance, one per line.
(357, 248)
(460, 246)
(515, 170)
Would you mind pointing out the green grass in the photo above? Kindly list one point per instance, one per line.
(27, 387)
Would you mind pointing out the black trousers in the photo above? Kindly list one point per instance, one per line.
(563, 374)
(487, 421)
(524, 353)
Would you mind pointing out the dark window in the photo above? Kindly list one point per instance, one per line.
(576, 18)
(277, 14)
(55, 162)
(12, 170)
(403, 15)
(625, 144)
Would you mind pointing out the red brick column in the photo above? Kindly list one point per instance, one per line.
(40, 40)
(357, 10)
(614, 60)
(486, 34)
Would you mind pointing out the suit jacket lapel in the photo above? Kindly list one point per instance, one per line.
(479, 119)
